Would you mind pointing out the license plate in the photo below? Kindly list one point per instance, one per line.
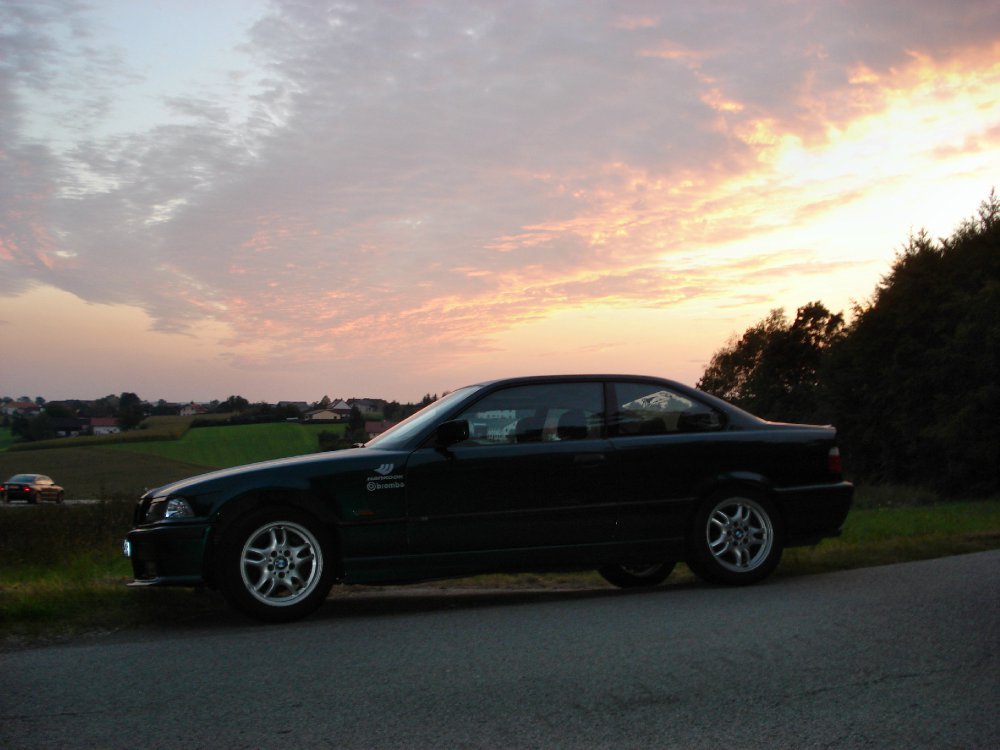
(127, 548)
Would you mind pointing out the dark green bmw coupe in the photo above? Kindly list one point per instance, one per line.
(625, 474)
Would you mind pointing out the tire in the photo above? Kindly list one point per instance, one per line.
(33, 498)
(275, 564)
(736, 539)
(636, 575)
(59, 498)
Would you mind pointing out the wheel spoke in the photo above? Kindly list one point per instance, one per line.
(265, 585)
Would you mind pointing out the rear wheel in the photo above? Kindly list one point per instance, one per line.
(736, 539)
(635, 575)
(275, 564)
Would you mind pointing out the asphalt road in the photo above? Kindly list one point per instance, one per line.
(896, 656)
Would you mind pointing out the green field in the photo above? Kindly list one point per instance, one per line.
(5, 440)
(222, 447)
(127, 467)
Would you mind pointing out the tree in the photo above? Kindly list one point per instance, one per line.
(915, 382)
(162, 408)
(57, 410)
(234, 405)
(105, 407)
(37, 427)
(131, 411)
(911, 383)
(773, 370)
(287, 411)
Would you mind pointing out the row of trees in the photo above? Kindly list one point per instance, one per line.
(912, 381)
(54, 416)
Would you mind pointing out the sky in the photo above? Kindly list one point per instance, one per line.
(289, 199)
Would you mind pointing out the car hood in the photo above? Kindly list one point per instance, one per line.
(286, 471)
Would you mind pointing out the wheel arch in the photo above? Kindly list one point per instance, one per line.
(737, 481)
(237, 507)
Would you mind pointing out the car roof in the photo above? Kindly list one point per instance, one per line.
(578, 377)
(735, 414)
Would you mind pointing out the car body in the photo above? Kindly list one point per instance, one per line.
(32, 488)
(625, 474)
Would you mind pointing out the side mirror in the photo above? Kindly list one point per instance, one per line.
(450, 433)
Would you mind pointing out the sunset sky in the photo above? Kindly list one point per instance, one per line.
(290, 199)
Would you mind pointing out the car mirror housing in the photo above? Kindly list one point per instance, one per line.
(450, 433)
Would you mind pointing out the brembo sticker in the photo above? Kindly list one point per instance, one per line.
(384, 479)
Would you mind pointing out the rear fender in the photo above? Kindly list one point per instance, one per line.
(734, 482)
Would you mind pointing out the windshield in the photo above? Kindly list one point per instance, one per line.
(398, 435)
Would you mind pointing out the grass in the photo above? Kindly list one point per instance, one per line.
(61, 573)
(6, 440)
(118, 468)
(222, 447)
(884, 535)
(99, 472)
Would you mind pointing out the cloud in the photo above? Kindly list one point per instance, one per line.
(406, 175)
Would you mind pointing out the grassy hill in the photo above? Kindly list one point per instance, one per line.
(128, 468)
(221, 447)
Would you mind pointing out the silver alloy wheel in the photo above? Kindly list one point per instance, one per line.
(740, 534)
(281, 563)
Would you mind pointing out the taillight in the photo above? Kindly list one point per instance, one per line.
(833, 462)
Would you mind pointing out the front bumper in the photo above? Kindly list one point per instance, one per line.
(169, 554)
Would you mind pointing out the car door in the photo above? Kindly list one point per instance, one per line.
(533, 475)
(666, 443)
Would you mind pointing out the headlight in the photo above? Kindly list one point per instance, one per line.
(178, 507)
(174, 507)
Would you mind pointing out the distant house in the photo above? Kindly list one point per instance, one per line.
(368, 405)
(193, 410)
(104, 426)
(27, 408)
(376, 428)
(341, 408)
(322, 415)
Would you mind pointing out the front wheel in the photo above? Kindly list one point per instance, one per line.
(275, 564)
(636, 575)
(736, 539)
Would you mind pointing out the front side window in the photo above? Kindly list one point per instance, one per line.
(651, 409)
(547, 412)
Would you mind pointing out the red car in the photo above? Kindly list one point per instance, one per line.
(33, 488)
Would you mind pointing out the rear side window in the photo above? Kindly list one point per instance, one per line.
(651, 409)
